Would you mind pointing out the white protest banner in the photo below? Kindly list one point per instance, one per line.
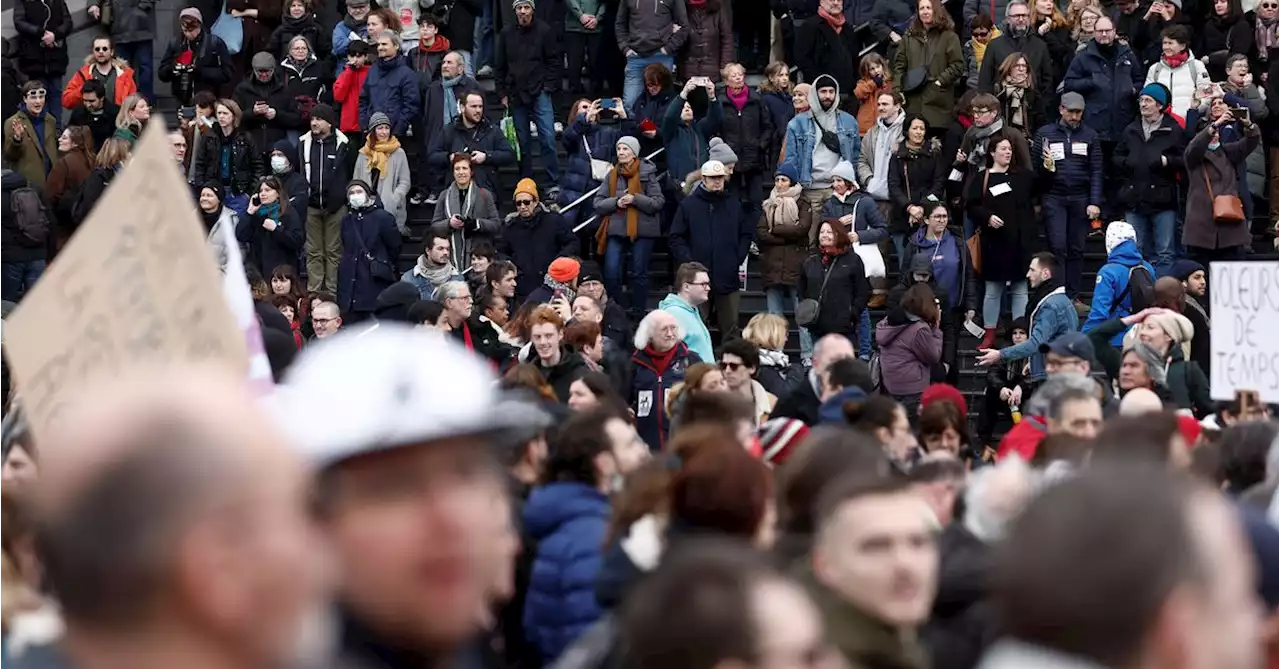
(240, 299)
(1244, 335)
(137, 283)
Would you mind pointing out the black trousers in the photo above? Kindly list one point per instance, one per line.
(993, 408)
(581, 48)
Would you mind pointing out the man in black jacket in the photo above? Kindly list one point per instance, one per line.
(1018, 37)
(613, 319)
(441, 108)
(1149, 156)
(196, 60)
(821, 49)
(803, 402)
(533, 236)
(269, 110)
(475, 136)
(322, 159)
(95, 112)
(528, 74)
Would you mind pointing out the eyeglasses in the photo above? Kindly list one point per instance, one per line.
(731, 366)
(701, 284)
(322, 321)
(1019, 16)
(101, 49)
(524, 203)
(980, 112)
(981, 33)
(1103, 31)
(38, 93)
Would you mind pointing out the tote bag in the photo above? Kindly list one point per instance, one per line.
(229, 29)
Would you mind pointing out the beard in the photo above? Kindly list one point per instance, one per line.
(827, 104)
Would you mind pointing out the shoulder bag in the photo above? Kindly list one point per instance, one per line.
(1226, 208)
(599, 168)
(807, 310)
(378, 268)
(975, 242)
(917, 76)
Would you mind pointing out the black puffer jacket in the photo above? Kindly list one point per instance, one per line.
(31, 18)
(267, 131)
(246, 161)
(749, 133)
(1148, 185)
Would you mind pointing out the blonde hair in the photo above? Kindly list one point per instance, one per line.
(1056, 17)
(729, 67)
(123, 118)
(768, 331)
(113, 152)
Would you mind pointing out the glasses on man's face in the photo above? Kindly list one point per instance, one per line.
(730, 366)
(1019, 16)
(38, 94)
(322, 321)
(981, 112)
(700, 284)
(101, 49)
(524, 203)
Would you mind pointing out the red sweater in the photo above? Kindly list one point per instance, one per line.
(346, 92)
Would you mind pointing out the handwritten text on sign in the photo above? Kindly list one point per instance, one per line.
(1245, 329)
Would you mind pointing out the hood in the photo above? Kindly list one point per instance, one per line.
(10, 180)
(394, 301)
(570, 361)
(826, 117)
(886, 333)
(116, 63)
(673, 302)
(832, 411)
(1125, 253)
(555, 504)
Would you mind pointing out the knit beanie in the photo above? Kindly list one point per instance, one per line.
(1157, 92)
(789, 171)
(844, 170)
(564, 270)
(1117, 232)
(631, 143)
(1183, 269)
(781, 437)
(325, 113)
(377, 119)
(720, 151)
(528, 187)
(942, 392)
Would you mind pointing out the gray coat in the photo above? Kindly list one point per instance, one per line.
(481, 216)
(1200, 229)
(649, 203)
(131, 20)
(393, 187)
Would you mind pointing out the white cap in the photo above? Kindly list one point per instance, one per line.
(713, 168)
(386, 388)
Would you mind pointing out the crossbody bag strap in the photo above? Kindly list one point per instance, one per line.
(822, 291)
(1204, 170)
(906, 181)
(588, 148)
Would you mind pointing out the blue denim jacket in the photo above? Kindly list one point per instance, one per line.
(802, 136)
(1053, 316)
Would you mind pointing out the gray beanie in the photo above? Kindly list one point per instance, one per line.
(631, 143)
(844, 170)
(377, 119)
(721, 152)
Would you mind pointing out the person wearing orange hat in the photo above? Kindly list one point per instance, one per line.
(559, 283)
(533, 236)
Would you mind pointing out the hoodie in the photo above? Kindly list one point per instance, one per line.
(909, 348)
(832, 411)
(696, 335)
(804, 146)
(1110, 294)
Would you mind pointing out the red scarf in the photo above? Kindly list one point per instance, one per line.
(828, 254)
(836, 22)
(661, 359)
(466, 338)
(1176, 60)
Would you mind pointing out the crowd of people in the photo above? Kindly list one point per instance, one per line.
(501, 455)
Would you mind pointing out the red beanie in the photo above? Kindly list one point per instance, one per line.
(942, 392)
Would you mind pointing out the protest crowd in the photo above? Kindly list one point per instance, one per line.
(647, 334)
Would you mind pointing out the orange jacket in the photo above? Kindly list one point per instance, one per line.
(125, 84)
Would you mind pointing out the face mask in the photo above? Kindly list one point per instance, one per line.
(279, 164)
(356, 200)
(1213, 146)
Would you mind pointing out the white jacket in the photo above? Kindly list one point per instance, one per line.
(1182, 81)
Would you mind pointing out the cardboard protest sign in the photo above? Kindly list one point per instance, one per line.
(1243, 337)
(136, 283)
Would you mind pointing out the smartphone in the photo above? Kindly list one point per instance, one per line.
(557, 295)
(607, 103)
(1241, 113)
(255, 201)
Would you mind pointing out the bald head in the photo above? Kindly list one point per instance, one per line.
(1140, 401)
(829, 349)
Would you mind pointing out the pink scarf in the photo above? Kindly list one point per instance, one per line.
(738, 98)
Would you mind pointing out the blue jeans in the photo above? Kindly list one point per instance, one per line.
(20, 277)
(780, 298)
(864, 335)
(138, 55)
(1067, 228)
(641, 252)
(482, 36)
(633, 82)
(1155, 237)
(468, 64)
(994, 296)
(544, 116)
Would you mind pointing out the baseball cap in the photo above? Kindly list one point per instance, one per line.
(1072, 344)
(1073, 101)
(392, 387)
(713, 168)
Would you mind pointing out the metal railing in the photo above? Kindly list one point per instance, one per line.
(592, 193)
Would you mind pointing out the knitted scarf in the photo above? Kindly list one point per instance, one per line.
(437, 275)
(378, 153)
(450, 100)
(632, 174)
(569, 293)
(1264, 34)
(738, 97)
(836, 22)
(1017, 107)
(270, 211)
(978, 155)
(782, 208)
(1176, 60)
(457, 205)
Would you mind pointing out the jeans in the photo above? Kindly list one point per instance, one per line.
(864, 335)
(482, 35)
(20, 277)
(467, 64)
(994, 297)
(777, 300)
(1155, 237)
(1067, 228)
(641, 252)
(899, 247)
(544, 116)
(138, 55)
(633, 83)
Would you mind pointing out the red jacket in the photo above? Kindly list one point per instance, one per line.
(1023, 439)
(125, 83)
(346, 92)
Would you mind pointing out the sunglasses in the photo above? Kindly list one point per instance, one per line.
(730, 366)
(524, 203)
(981, 33)
(37, 93)
(101, 49)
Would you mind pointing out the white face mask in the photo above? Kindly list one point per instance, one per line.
(357, 200)
(279, 164)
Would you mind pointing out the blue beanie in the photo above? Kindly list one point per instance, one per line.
(789, 171)
(1157, 92)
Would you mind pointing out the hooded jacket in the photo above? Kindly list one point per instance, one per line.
(567, 520)
(562, 375)
(391, 88)
(803, 136)
(532, 243)
(267, 131)
(125, 83)
(30, 20)
(1109, 84)
(14, 246)
(324, 165)
(711, 228)
(369, 230)
(1110, 293)
(696, 335)
(909, 348)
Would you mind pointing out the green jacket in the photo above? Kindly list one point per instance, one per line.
(1187, 384)
(576, 9)
(27, 157)
(864, 642)
(938, 52)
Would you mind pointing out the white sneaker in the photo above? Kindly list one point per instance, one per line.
(559, 128)
(485, 72)
(533, 129)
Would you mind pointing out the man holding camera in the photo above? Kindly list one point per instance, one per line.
(528, 73)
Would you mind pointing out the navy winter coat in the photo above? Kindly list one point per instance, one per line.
(575, 178)
(687, 144)
(750, 133)
(781, 110)
(358, 289)
(649, 386)
(569, 521)
(868, 222)
(712, 229)
(391, 87)
(1110, 88)
(1075, 174)
(532, 243)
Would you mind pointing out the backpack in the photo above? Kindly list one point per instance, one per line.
(31, 215)
(1141, 290)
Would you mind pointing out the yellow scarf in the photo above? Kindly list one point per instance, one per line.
(378, 153)
(980, 48)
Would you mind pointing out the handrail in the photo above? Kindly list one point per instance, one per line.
(592, 193)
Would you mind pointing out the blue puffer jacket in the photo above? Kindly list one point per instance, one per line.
(568, 521)
(649, 388)
(686, 145)
(1110, 296)
(1054, 315)
(1074, 173)
(1109, 86)
(391, 87)
(575, 178)
(711, 228)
